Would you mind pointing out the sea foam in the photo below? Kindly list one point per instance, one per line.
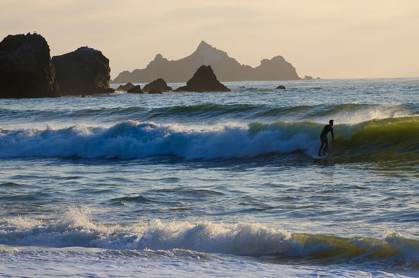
(76, 229)
(132, 139)
(387, 138)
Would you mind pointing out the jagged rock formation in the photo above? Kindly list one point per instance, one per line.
(307, 77)
(85, 71)
(159, 85)
(26, 70)
(226, 68)
(204, 80)
(125, 87)
(136, 90)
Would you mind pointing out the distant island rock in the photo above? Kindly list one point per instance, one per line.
(26, 70)
(226, 68)
(204, 80)
(125, 87)
(85, 71)
(136, 90)
(159, 85)
(281, 87)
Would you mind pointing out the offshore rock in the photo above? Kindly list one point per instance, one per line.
(227, 68)
(155, 91)
(125, 87)
(136, 90)
(204, 80)
(159, 85)
(85, 71)
(26, 70)
(281, 87)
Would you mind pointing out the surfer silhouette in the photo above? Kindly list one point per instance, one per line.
(323, 137)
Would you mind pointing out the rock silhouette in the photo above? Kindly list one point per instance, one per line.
(204, 80)
(155, 91)
(281, 87)
(26, 70)
(85, 71)
(159, 85)
(227, 68)
(136, 90)
(125, 87)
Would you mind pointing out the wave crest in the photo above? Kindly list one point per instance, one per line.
(76, 229)
(385, 139)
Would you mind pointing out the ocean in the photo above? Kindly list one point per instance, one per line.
(213, 184)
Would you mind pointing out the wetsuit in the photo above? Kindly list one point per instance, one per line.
(323, 138)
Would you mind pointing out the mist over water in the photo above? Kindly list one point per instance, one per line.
(181, 181)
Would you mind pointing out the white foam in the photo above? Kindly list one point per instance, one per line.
(369, 113)
(132, 139)
(75, 229)
(74, 245)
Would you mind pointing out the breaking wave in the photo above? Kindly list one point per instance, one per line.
(377, 139)
(76, 229)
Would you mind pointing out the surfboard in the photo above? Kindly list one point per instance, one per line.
(320, 157)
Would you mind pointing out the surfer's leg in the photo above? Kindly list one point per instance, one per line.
(326, 147)
(320, 150)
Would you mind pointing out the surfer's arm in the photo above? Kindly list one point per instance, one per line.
(333, 136)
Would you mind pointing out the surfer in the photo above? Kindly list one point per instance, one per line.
(323, 137)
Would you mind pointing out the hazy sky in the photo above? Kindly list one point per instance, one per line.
(325, 38)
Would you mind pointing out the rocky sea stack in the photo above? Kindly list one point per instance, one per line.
(26, 70)
(204, 80)
(159, 85)
(125, 87)
(136, 90)
(85, 71)
(155, 91)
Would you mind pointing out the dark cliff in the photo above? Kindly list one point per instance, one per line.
(85, 71)
(26, 70)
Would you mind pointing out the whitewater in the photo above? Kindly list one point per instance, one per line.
(213, 184)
